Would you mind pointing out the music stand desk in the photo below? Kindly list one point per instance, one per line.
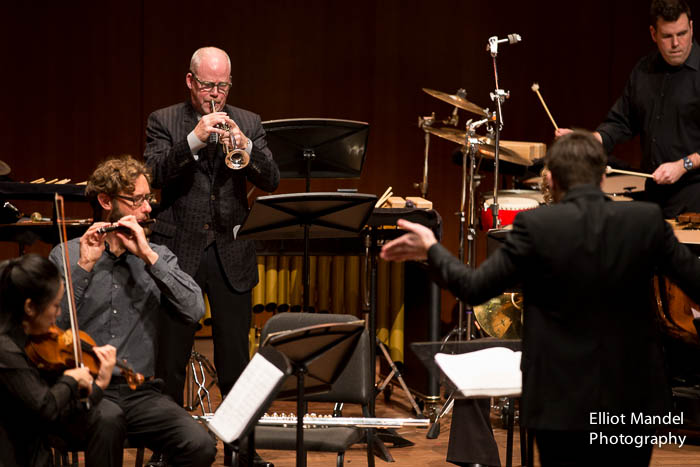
(426, 350)
(307, 215)
(318, 147)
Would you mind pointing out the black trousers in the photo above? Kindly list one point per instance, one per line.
(231, 317)
(146, 417)
(471, 436)
(575, 449)
(100, 432)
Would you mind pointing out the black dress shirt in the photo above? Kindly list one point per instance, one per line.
(122, 300)
(661, 104)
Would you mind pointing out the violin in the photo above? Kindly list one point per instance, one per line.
(53, 351)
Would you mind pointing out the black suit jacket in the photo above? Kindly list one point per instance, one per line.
(590, 340)
(198, 197)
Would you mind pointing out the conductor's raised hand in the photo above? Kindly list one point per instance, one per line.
(413, 245)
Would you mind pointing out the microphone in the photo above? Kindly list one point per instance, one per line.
(12, 207)
(492, 46)
(122, 228)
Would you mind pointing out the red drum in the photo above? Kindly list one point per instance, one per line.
(510, 203)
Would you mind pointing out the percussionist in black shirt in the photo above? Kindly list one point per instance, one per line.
(661, 104)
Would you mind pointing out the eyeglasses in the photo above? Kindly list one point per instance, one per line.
(207, 86)
(137, 201)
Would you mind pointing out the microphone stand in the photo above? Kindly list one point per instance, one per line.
(498, 96)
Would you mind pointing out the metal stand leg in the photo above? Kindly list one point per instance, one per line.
(197, 370)
(396, 373)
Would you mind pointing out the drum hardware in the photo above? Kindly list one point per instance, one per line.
(458, 100)
(498, 96)
(501, 317)
(501, 408)
(486, 145)
(235, 158)
(467, 217)
(425, 123)
(471, 144)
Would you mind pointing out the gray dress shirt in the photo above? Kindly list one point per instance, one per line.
(122, 300)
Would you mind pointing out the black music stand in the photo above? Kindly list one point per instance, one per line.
(318, 147)
(318, 354)
(307, 215)
(236, 417)
(426, 353)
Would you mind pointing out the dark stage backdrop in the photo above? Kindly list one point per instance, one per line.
(80, 78)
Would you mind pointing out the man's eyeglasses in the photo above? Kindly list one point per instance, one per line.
(206, 86)
(137, 201)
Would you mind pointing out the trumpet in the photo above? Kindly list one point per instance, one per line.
(236, 158)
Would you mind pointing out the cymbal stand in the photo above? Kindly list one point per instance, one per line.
(423, 123)
(467, 215)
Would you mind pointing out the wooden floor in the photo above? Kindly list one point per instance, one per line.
(425, 452)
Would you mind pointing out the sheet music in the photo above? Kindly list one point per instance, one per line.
(489, 372)
(242, 403)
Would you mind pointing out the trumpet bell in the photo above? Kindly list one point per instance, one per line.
(237, 159)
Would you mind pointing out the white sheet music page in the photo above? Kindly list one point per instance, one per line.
(251, 390)
(489, 372)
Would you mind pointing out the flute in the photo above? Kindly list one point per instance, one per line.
(122, 228)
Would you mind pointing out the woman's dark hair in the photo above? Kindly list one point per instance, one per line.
(29, 276)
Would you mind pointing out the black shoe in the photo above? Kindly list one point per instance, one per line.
(157, 460)
(257, 460)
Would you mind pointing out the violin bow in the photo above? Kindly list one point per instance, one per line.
(62, 236)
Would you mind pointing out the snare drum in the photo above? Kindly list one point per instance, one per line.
(617, 186)
(509, 205)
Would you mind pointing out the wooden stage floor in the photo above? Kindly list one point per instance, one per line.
(425, 452)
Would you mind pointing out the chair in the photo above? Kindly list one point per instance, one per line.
(354, 385)
(61, 448)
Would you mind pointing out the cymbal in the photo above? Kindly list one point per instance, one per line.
(501, 317)
(487, 146)
(457, 101)
(4, 168)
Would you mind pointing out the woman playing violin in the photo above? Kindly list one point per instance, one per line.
(36, 404)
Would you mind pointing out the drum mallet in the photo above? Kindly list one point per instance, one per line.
(536, 88)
